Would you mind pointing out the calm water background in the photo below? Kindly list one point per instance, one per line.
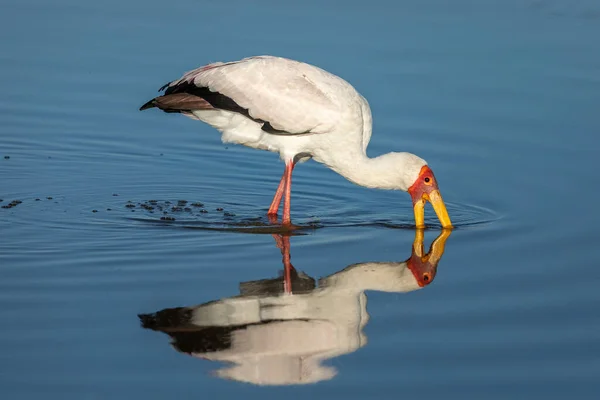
(501, 97)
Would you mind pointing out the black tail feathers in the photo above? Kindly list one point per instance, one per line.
(150, 104)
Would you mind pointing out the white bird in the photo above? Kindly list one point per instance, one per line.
(299, 111)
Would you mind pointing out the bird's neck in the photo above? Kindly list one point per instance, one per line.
(377, 172)
(383, 277)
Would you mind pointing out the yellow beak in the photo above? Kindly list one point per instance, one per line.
(438, 206)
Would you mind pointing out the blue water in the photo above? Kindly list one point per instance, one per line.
(500, 97)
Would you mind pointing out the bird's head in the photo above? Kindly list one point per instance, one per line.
(420, 183)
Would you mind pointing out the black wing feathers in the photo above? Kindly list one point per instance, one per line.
(187, 97)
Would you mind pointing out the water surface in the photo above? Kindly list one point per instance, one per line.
(98, 294)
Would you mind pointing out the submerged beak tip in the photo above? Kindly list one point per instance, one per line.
(435, 198)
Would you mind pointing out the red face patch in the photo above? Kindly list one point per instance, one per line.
(424, 184)
(423, 270)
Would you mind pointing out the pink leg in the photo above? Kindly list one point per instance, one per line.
(288, 193)
(277, 198)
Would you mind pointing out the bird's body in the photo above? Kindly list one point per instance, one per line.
(295, 109)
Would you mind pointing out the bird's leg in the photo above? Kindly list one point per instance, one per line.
(286, 220)
(277, 198)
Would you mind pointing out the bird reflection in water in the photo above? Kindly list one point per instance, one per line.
(281, 331)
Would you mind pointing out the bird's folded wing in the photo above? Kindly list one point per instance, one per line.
(292, 97)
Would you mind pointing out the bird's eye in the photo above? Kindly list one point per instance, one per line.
(427, 180)
(426, 277)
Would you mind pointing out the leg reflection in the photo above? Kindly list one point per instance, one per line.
(283, 243)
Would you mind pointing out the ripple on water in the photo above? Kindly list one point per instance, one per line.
(87, 210)
(252, 219)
